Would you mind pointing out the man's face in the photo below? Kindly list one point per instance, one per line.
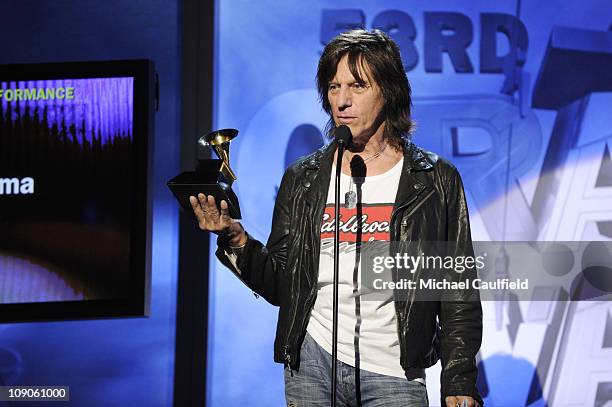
(356, 104)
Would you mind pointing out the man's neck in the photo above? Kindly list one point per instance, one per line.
(376, 160)
(373, 145)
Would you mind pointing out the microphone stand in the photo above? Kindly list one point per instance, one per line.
(341, 148)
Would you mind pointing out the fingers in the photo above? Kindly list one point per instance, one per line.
(208, 215)
(225, 211)
(451, 401)
(209, 205)
(193, 201)
(460, 401)
(467, 401)
(195, 205)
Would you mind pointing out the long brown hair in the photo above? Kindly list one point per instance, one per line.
(383, 59)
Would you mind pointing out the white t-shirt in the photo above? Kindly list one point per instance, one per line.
(370, 324)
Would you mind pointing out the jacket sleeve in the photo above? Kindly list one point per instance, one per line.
(261, 267)
(460, 310)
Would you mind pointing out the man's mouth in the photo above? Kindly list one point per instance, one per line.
(345, 119)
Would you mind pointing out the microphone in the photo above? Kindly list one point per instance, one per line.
(343, 136)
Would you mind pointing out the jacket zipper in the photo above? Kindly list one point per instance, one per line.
(313, 292)
(394, 237)
(288, 359)
(430, 193)
(287, 349)
(309, 300)
(403, 205)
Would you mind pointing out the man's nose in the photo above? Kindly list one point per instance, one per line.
(344, 98)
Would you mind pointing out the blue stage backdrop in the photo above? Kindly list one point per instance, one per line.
(119, 362)
(517, 96)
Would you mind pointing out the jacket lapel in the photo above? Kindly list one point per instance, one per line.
(412, 183)
(317, 177)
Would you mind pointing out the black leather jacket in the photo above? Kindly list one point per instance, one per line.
(430, 206)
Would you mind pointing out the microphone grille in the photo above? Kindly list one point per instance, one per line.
(343, 135)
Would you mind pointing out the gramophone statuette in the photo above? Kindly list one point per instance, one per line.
(212, 176)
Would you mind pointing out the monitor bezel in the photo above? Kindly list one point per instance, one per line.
(137, 303)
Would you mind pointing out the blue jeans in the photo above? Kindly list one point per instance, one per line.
(311, 385)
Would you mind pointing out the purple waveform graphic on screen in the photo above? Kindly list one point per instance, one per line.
(81, 109)
(22, 280)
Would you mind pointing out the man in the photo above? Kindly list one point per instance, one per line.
(415, 196)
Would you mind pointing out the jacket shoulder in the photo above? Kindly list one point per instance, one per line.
(439, 163)
(311, 160)
(433, 166)
(444, 166)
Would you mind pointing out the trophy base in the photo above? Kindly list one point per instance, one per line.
(189, 184)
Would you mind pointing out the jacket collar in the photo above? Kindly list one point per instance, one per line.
(417, 160)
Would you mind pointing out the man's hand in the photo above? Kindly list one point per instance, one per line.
(460, 401)
(211, 220)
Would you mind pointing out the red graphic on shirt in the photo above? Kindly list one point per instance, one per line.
(372, 220)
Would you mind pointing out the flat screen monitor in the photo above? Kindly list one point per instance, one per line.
(75, 142)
